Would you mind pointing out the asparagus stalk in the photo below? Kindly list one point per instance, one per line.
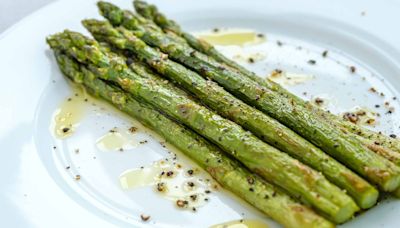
(339, 145)
(277, 167)
(151, 12)
(229, 173)
(260, 124)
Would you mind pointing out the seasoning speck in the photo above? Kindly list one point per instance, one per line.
(132, 129)
(65, 129)
(193, 197)
(182, 203)
(170, 173)
(393, 136)
(145, 217)
(325, 53)
(351, 117)
(353, 69)
(312, 62)
(77, 177)
(161, 187)
(318, 101)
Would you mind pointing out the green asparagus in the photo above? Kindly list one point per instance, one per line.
(260, 124)
(277, 167)
(229, 173)
(339, 145)
(151, 12)
(378, 143)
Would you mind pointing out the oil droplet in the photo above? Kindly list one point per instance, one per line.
(67, 117)
(237, 37)
(288, 78)
(172, 182)
(244, 223)
(116, 140)
(139, 177)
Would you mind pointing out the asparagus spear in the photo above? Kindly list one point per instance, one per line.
(260, 124)
(151, 12)
(229, 173)
(277, 167)
(343, 147)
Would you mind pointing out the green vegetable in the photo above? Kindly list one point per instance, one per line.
(343, 147)
(151, 12)
(277, 167)
(384, 146)
(250, 118)
(229, 173)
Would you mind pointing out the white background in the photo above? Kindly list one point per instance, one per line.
(11, 11)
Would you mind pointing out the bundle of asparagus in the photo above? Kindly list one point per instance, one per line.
(229, 173)
(291, 144)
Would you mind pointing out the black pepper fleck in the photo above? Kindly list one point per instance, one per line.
(353, 69)
(312, 62)
(170, 173)
(145, 217)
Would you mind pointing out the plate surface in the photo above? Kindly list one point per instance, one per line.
(37, 190)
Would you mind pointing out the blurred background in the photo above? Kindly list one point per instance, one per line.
(11, 11)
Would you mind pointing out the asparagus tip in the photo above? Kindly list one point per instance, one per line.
(111, 12)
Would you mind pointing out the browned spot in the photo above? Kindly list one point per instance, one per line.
(184, 109)
(214, 171)
(234, 111)
(205, 44)
(125, 82)
(380, 173)
(354, 180)
(388, 154)
(309, 175)
(297, 208)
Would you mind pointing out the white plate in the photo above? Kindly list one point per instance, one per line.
(36, 190)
